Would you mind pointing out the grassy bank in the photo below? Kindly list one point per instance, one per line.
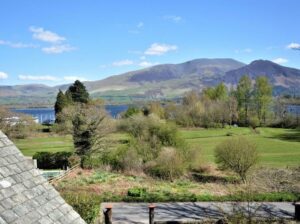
(277, 147)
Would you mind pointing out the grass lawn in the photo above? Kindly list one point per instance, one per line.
(44, 144)
(277, 147)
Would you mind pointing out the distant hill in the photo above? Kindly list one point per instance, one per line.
(163, 81)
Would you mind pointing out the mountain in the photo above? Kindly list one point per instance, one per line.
(284, 79)
(162, 81)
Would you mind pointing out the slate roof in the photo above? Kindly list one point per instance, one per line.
(25, 195)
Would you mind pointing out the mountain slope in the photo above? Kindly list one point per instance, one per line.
(277, 74)
(163, 81)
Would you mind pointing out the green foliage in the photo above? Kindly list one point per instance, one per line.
(91, 162)
(87, 205)
(48, 160)
(78, 92)
(237, 154)
(154, 147)
(262, 97)
(168, 196)
(244, 95)
(131, 111)
(219, 92)
(61, 102)
(169, 164)
(90, 124)
(136, 192)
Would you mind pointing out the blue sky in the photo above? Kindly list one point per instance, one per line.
(56, 41)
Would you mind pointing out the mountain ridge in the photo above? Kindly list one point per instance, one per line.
(163, 81)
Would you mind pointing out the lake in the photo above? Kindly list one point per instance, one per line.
(46, 114)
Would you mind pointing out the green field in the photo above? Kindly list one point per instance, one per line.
(277, 147)
(44, 144)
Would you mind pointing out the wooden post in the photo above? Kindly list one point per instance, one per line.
(151, 214)
(108, 214)
(297, 211)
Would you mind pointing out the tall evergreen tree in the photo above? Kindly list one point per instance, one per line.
(263, 97)
(243, 95)
(61, 102)
(78, 92)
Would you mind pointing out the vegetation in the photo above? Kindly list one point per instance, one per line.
(48, 160)
(277, 147)
(15, 125)
(87, 205)
(238, 155)
(167, 152)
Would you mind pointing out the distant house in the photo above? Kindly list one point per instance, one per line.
(25, 195)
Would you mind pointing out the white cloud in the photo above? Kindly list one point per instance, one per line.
(143, 57)
(146, 64)
(74, 78)
(122, 63)
(173, 18)
(160, 49)
(58, 49)
(294, 46)
(140, 25)
(280, 60)
(38, 78)
(3, 75)
(45, 35)
(17, 44)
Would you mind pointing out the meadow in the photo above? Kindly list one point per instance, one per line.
(277, 147)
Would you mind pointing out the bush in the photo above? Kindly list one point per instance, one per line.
(91, 162)
(87, 205)
(238, 155)
(131, 111)
(74, 160)
(136, 192)
(168, 165)
(48, 160)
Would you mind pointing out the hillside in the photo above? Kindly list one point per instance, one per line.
(162, 81)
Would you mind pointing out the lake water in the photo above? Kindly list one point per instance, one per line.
(46, 114)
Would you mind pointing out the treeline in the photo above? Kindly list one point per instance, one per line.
(249, 104)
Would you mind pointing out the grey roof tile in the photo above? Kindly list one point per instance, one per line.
(25, 195)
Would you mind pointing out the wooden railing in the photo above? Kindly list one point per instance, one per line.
(65, 173)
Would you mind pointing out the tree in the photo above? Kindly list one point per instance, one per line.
(78, 92)
(237, 155)
(243, 95)
(60, 104)
(219, 92)
(262, 97)
(90, 125)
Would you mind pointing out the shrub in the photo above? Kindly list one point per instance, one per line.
(131, 111)
(169, 164)
(48, 160)
(74, 160)
(254, 122)
(87, 205)
(91, 162)
(136, 192)
(238, 155)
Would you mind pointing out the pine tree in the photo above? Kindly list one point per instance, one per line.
(61, 102)
(78, 92)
